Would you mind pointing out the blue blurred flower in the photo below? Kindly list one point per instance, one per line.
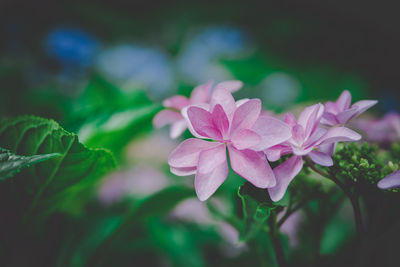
(133, 66)
(280, 89)
(71, 47)
(198, 61)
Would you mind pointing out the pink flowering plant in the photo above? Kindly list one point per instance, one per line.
(237, 137)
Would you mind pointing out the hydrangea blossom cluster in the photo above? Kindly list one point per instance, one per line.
(252, 138)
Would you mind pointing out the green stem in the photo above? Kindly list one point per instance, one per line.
(353, 197)
(276, 243)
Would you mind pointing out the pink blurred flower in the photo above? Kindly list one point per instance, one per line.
(174, 105)
(236, 126)
(384, 130)
(390, 181)
(140, 181)
(306, 138)
(340, 112)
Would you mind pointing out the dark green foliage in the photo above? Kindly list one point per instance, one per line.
(256, 209)
(11, 164)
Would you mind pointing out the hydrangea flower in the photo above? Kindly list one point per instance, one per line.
(341, 111)
(306, 138)
(384, 130)
(233, 126)
(390, 181)
(200, 95)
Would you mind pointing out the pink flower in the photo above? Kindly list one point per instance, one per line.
(384, 130)
(236, 126)
(390, 181)
(172, 115)
(306, 138)
(340, 112)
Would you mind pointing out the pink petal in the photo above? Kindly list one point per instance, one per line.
(202, 123)
(301, 151)
(329, 119)
(231, 86)
(178, 102)
(186, 155)
(207, 183)
(272, 132)
(348, 114)
(210, 158)
(177, 128)
(274, 153)
(331, 107)
(314, 120)
(298, 134)
(183, 171)
(363, 105)
(344, 100)
(310, 118)
(165, 117)
(220, 119)
(248, 164)
(246, 115)
(290, 119)
(245, 139)
(328, 148)
(338, 134)
(225, 99)
(390, 181)
(321, 158)
(201, 93)
(284, 174)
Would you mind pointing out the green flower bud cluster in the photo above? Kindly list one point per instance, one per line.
(354, 163)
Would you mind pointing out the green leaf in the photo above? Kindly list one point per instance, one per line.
(11, 164)
(54, 183)
(256, 209)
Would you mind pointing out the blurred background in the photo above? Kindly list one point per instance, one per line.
(102, 68)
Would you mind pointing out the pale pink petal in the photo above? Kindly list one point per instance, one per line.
(274, 153)
(241, 102)
(344, 100)
(210, 158)
(290, 119)
(187, 153)
(328, 148)
(245, 138)
(220, 119)
(298, 134)
(363, 105)
(310, 117)
(329, 119)
(201, 93)
(321, 158)
(272, 132)
(331, 107)
(313, 121)
(183, 171)
(177, 128)
(348, 114)
(225, 99)
(284, 174)
(317, 134)
(207, 183)
(338, 134)
(177, 102)
(390, 181)
(301, 151)
(231, 86)
(248, 164)
(165, 117)
(202, 123)
(246, 115)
